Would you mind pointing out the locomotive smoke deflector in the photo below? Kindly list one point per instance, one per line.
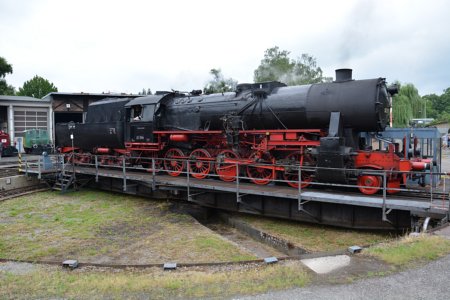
(343, 75)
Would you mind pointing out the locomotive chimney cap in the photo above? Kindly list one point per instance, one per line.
(343, 75)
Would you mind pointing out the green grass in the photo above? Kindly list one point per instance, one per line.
(94, 226)
(410, 250)
(316, 238)
(153, 284)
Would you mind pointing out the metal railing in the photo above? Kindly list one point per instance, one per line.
(59, 163)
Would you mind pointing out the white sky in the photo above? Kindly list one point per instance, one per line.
(124, 46)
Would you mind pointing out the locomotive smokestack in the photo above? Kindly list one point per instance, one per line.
(343, 75)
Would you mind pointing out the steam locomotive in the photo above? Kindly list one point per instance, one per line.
(267, 130)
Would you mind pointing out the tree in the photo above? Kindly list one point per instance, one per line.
(37, 87)
(430, 108)
(219, 84)
(5, 68)
(407, 104)
(145, 92)
(278, 66)
(401, 111)
(438, 107)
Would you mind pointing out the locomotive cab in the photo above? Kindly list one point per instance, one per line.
(140, 120)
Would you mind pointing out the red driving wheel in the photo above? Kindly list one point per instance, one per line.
(259, 174)
(199, 163)
(226, 171)
(174, 162)
(291, 176)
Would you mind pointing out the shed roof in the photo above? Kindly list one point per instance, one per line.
(97, 95)
(22, 98)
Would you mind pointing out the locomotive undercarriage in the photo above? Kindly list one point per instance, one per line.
(258, 155)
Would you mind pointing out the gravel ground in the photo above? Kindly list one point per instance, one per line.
(428, 282)
(17, 268)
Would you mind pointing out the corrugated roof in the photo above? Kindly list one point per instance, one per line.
(22, 98)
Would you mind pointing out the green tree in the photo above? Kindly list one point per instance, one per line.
(278, 66)
(275, 65)
(37, 87)
(439, 106)
(401, 111)
(5, 68)
(432, 104)
(219, 84)
(407, 105)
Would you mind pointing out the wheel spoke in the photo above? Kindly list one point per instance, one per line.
(291, 176)
(174, 163)
(259, 174)
(199, 165)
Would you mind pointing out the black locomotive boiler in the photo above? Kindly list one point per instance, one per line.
(267, 130)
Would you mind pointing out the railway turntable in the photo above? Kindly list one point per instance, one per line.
(324, 204)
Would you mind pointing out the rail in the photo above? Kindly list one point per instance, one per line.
(62, 163)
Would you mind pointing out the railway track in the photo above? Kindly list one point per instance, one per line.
(8, 194)
(8, 172)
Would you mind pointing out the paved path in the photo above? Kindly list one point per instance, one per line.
(429, 282)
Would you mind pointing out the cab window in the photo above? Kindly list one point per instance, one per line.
(148, 112)
(136, 113)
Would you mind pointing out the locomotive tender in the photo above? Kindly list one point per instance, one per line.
(269, 130)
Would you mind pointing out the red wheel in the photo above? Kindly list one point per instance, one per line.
(226, 171)
(259, 174)
(174, 163)
(200, 164)
(369, 184)
(291, 176)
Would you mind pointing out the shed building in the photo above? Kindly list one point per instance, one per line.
(20, 113)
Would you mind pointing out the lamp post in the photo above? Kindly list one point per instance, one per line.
(71, 126)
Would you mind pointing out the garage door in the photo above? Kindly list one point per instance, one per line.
(29, 118)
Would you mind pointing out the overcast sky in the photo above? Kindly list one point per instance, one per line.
(124, 46)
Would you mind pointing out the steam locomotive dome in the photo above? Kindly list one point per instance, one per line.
(363, 104)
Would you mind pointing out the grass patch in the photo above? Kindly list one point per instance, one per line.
(152, 284)
(316, 238)
(97, 226)
(409, 250)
